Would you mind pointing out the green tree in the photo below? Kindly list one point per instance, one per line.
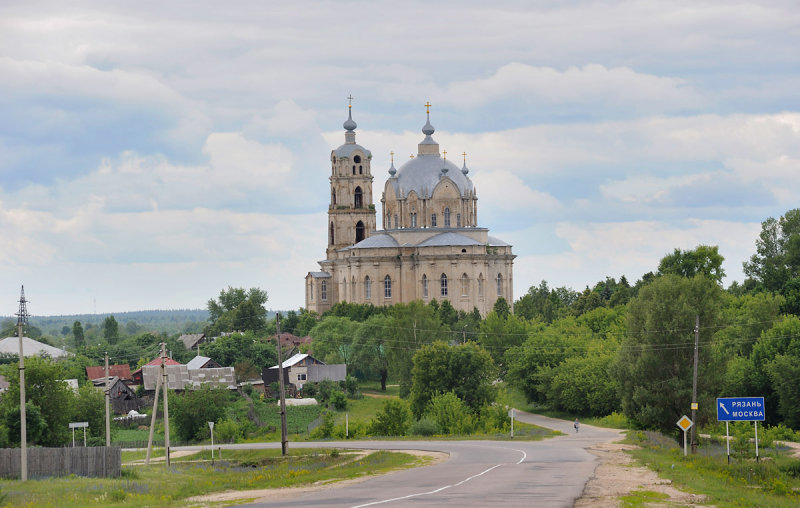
(89, 406)
(466, 370)
(191, 411)
(237, 309)
(231, 349)
(370, 348)
(110, 330)
(772, 370)
(35, 425)
(777, 257)
(77, 333)
(451, 413)
(501, 308)
(45, 389)
(497, 335)
(704, 260)
(654, 363)
(393, 420)
(333, 340)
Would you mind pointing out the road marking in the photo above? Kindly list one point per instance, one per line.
(435, 491)
(430, 492)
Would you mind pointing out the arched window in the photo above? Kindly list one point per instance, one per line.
(367, 288)
(395, 221)
(480, 286)
(458, 220)
(344, 289)
(443, 283)
(360, 170)
(388, 224)
(358, 198)
(387, 287)
(330, 235)
(323, 289)
(433, 220)
(359, 231)
(413, 220)
(354, 169)
(424, 286)
(499, 285)
(447, 217)
(311, 289)
(357, 159)
(333, 197)
(464, 284)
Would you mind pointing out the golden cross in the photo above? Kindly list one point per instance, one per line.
(428, 107)
(445, 154)
(350, 98)
(411, 156)
(392, 154)
(465, 157)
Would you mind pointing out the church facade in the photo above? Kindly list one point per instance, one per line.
(430, 245)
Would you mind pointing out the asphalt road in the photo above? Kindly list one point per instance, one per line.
(545, 473)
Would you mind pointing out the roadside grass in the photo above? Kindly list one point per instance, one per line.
(133, 455)
(155, 485)
(774, 481)
(642, 498)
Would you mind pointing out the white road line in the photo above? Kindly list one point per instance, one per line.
(524, 456)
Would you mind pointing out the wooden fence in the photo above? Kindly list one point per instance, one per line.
(98, 461)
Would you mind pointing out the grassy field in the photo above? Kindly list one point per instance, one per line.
(191, 476)
(774, 481)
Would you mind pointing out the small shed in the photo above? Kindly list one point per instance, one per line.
(123, 399)
(303, 368)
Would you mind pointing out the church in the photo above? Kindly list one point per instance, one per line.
(430, 245)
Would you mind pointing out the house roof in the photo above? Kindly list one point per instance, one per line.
(190, 340)
(122, 371)
(30, 347)
(295, 360)
(167, 361)
(197, 362)
(288, 339)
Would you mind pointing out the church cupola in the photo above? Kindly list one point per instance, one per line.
(351, 213)
(428, 146)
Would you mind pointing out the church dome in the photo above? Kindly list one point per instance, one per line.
(423, 173)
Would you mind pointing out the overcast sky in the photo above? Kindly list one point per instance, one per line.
(153, 153)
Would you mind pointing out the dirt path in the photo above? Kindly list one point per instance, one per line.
(617, 476)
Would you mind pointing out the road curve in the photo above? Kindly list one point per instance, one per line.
(545, 473)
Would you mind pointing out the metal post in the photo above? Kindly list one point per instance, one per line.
(108, 403)
(694, 380)
(84, 437)
(164, 384)
(685, 444)
(756, 426)
(284, 433)
(211, 426)
(22, 318)
(728, 442)
(512, 422)
(347, 425)
(73, 437)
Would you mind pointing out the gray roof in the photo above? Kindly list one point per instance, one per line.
(446, 239)
(347, 149)
(320, 275)
(374, 241)
(190, 340)
(423, 173)
(30, 347)
(294, 360)
(498, 242)
(197, 362)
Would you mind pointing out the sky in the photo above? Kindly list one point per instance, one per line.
(154, 153)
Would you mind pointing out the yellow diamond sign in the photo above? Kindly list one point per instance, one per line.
(685, 423)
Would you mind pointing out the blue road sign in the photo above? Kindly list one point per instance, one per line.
(740, 409)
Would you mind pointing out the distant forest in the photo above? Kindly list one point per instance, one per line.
(162, 321)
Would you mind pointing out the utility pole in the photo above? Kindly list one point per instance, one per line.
(284, 433)
(22, 319)
(108, 403)
(164, 384)
(694, 380)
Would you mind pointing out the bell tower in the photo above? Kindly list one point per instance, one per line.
(351, 213)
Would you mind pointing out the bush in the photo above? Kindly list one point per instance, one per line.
(451, 413)
(227, 431)
(325, 430)
(309, 389)
(326, 388)
(191, 411)
(339, 401)
(791, 468)
(424, 427)
(495, 418)
(351, 386)
(393, 420)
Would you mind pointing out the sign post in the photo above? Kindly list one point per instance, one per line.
(740, 409)
(685, 424)
(78, 425)
(211, 426)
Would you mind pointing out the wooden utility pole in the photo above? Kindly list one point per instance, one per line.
(284, 433)
(164, 383)
(108, 403)
(22, 319)
(694, 381)
(152, 420)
